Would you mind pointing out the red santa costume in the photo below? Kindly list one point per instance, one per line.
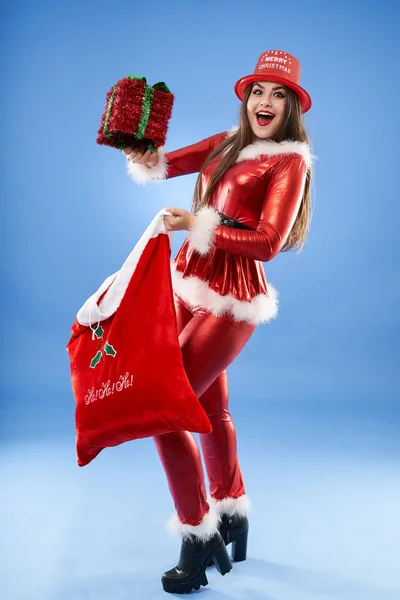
(221, 295)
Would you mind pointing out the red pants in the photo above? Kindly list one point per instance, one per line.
(209, 344)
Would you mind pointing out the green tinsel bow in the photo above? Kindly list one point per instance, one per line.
(146, 109)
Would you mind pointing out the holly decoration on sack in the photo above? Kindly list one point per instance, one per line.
(107, 348)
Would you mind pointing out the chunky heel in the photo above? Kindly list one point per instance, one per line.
(234, 530)
(221, 559)
(239, 547)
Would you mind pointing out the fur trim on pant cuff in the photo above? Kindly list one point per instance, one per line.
(142, 174)
(203, 531)
(231, 506)
(202, 234)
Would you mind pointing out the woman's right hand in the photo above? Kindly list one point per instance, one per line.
(141, 156)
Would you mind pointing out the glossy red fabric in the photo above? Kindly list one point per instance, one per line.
(208, 344)
(224, 272)
(264, 194)
(137, 386)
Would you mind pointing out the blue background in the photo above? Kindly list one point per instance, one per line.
(314, 394)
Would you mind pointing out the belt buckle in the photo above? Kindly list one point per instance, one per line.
(225, 220)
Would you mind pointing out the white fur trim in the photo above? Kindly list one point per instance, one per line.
(271, 148)
(142, 174)
(202, 234)
(196, 293)
(203, 531)
(90, 313)
(231, 506)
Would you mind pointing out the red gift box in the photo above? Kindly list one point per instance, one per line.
(136, 114)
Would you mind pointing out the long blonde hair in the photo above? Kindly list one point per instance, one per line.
(292, 128)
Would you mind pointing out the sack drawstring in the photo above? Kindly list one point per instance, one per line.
(94, 329)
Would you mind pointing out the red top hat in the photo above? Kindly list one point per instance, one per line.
(279, 66)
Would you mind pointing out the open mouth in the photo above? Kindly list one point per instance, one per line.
(264, 118)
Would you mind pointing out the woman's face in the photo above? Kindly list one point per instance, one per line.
(266, 107)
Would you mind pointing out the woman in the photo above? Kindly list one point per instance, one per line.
(251, 201)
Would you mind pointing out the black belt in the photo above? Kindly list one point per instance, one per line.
(224, 220)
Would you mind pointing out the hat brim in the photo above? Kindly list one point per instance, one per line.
(244, 82)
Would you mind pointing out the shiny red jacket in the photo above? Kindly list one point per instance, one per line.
(220, 267)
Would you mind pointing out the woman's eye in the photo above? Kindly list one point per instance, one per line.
(258, 92)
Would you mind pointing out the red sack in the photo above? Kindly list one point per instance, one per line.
(127, 372)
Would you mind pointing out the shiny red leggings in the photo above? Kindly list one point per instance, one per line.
(209, 344)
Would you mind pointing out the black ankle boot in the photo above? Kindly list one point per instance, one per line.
(234, 530)
(190, 572)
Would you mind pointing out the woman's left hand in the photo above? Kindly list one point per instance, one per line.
(181, 219)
